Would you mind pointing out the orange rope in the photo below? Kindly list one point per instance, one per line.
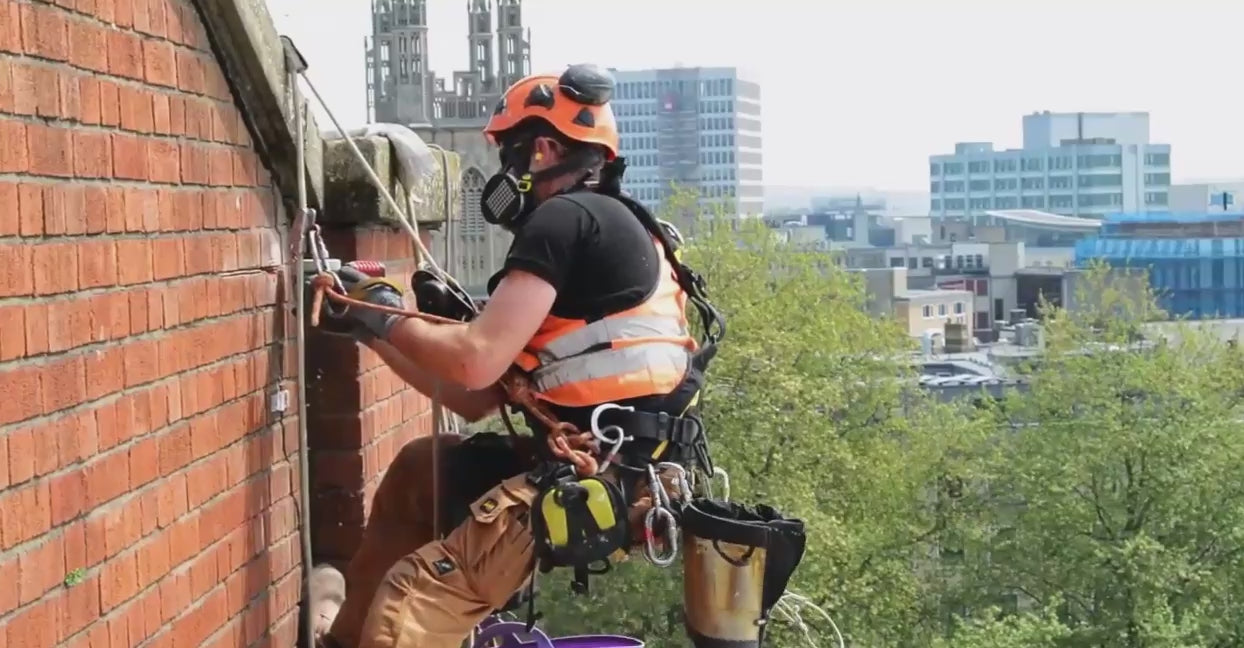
(565, 441)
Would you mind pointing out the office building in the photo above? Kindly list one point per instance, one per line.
(1195, 262)
(1213, 197)
(991, 261)
(1073, 164)
(402, 88)
(920, 312)
(696, 128)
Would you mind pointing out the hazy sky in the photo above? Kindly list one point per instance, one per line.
(858, 93)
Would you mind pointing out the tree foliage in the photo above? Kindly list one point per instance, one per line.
(1114, 488)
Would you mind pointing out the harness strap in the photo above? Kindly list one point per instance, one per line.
(684, 431)
(686, 434)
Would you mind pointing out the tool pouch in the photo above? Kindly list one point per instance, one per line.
(736, 564)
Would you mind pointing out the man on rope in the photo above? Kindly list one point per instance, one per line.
(590, 304)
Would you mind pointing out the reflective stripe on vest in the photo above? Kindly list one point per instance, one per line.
(642, 351)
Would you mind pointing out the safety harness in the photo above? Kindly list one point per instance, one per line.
(660, 427)
(581, 521)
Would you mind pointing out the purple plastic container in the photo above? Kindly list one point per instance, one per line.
(511, 634)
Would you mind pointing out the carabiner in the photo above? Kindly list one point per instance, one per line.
(614, 444)
(650, 536)
(601, 409)
(319, 256)
(680, 479)
(725, 482)
(611, 436)
(660, 498)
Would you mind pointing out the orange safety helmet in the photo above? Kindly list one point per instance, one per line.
(576, 104)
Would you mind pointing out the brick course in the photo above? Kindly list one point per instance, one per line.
(147, 494)
(359, 413)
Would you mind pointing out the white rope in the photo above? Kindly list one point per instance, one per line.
(408, 223)
(790, 608)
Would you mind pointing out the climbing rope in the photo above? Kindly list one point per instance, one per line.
(790, 608)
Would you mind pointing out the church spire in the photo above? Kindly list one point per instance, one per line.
(479, 38)
(513, 47)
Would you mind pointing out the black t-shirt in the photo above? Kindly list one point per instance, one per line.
(601, 260)
(591, 249)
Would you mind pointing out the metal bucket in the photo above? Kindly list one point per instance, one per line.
(510, 635)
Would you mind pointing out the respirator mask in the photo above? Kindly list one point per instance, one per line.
(506, 199)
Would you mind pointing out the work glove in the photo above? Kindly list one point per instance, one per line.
(344, 326)
(363, 324)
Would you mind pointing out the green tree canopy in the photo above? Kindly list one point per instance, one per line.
(1114, 488)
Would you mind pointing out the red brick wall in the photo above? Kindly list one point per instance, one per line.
(146, 492)
(359, 412)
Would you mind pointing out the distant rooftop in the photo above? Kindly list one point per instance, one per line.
(922, 293)
(1174, 217)
(1045, 219)
(966, 381)
(1223, 329)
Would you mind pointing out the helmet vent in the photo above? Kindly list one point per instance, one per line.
(585, 118)
(541, 96)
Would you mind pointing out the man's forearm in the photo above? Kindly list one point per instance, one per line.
(448, 351)
(469, 404)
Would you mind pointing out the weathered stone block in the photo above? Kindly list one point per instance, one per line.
(350, 197)
(442, 194)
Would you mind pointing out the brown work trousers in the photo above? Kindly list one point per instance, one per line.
(404, 589)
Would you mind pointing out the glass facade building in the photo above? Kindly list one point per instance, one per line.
(695, 128)
(1195, 261)
(1074, 164)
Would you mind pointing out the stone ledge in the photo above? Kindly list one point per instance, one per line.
(252, 55)
(351, 198)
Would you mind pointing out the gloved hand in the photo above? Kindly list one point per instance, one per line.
(362, 323)
(344, 326)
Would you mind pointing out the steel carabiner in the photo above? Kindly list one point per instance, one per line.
(680, 479)
(611, 436)
(725, 482)
(650, 536)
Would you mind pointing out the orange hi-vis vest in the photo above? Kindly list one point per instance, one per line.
(642, 351)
